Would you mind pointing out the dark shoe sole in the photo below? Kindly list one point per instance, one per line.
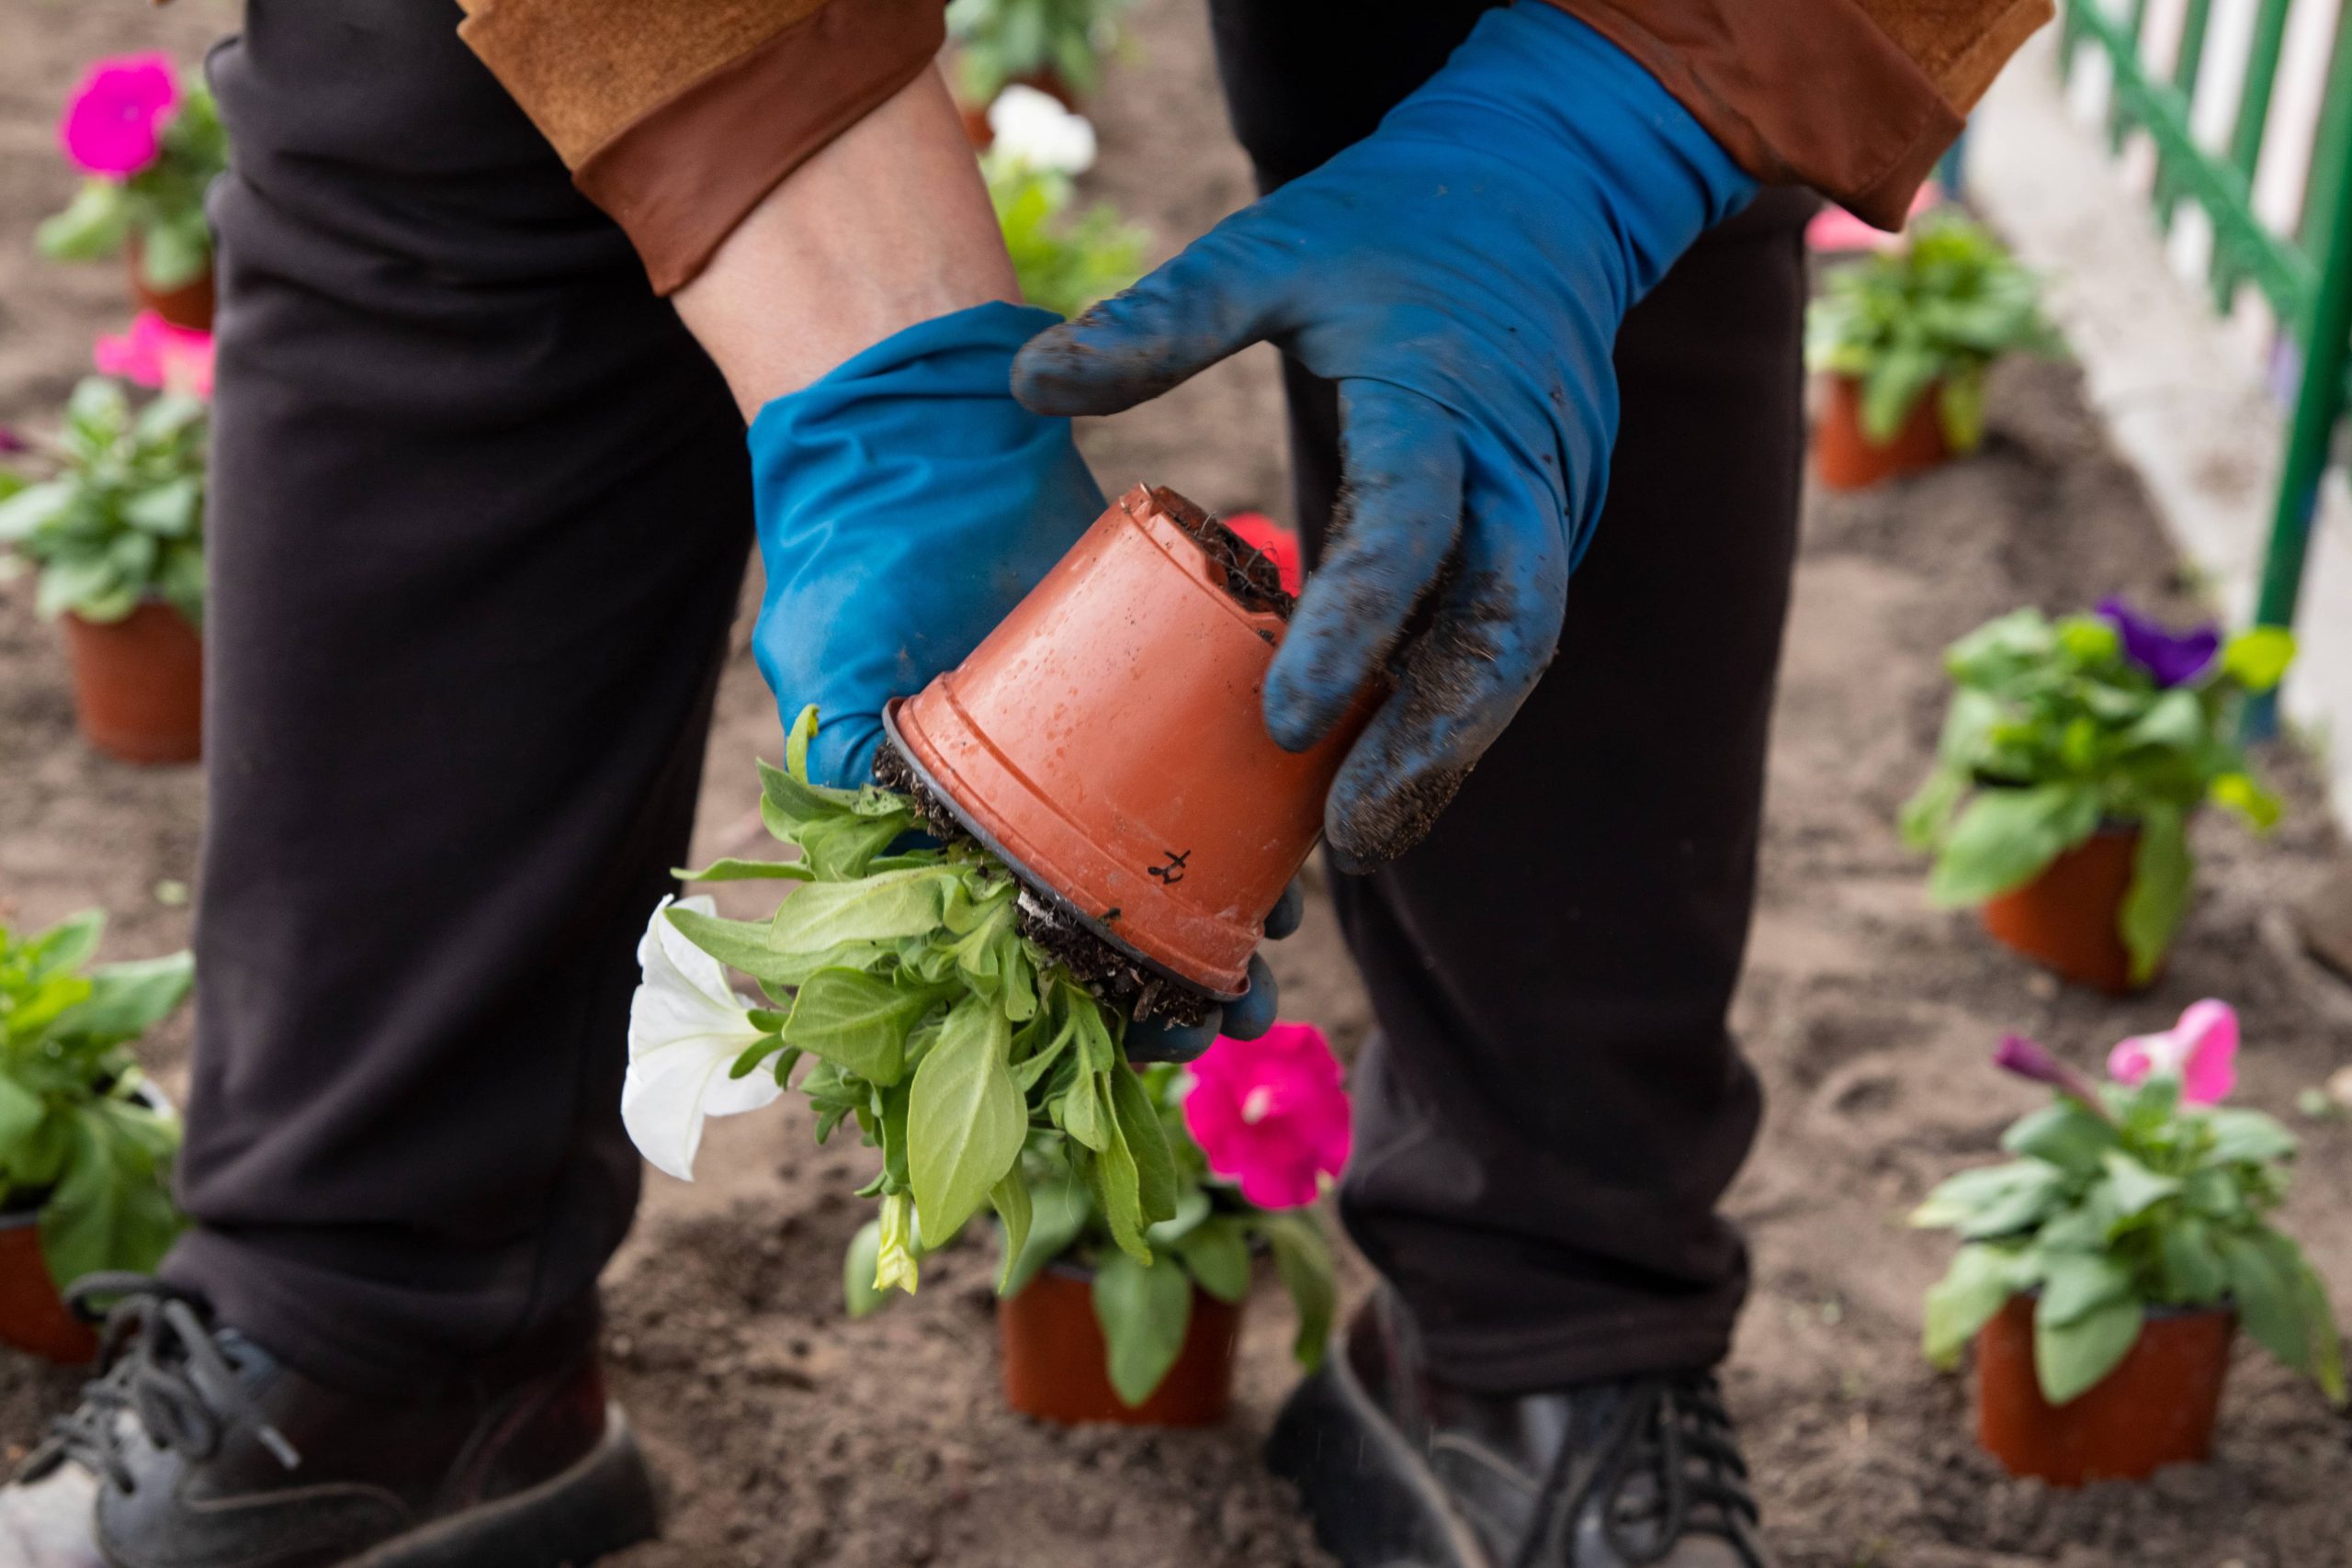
(1373, 1502)
(601, 1504)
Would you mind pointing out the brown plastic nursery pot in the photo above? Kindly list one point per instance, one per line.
(2065, 919)
(1845, 458)
(2156, 1408)
(33, 1317)
(139, 684)
(1107, 740)
(1054, 1358)
(189, 305)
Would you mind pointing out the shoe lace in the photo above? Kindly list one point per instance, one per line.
(1671, 1467)
(164, 1367)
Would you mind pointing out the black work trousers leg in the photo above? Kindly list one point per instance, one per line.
(480, 512)
(1552, 1104)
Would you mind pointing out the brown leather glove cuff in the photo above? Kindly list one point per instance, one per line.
(678, 124)
(1857, 99)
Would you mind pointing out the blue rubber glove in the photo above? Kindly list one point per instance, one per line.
(905, 503)
(1461, 273)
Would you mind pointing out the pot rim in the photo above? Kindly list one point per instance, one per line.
(1033, 885)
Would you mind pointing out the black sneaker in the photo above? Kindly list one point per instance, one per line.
(197, 1449)
(1400, 1471)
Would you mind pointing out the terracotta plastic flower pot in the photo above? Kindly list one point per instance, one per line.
(189, 305)
(2156, 1408)
(139, 684)
(2066, 918)
(1107, 740)
(1845, 458)
(1055, 1367)
(33, 1317)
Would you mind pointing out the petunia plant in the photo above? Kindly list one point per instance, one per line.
(78, 1141)
(1258, 1130)
(2141, 1194)
(898, 982)
(150, 144)
(2059, 727)
(1928, 317)
(113, 515)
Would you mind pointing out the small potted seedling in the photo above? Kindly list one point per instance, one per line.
(1065, 261)
(86, 1143)
(114, 521)
(2104, 1271)
(1091, 1332)
(1054, 46)
(1904, 338)
(150, 144)
(2074, 753)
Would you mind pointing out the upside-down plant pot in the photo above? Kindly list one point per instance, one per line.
(139, 684)
(2156, 1408)
(1056, 1367)
(189, 305)
(1108, 741)
(1847, 458)
(2068, 919)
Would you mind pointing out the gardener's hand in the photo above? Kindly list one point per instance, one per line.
(1462, 274)
(905, 503)
(1156, 1039)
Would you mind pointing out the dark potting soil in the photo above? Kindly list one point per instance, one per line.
(1250, 575)
(1116, 978)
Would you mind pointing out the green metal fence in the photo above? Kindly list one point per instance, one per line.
(2305, 275)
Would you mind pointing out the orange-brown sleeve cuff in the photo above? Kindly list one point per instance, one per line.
(677, 123)
(1857, 99)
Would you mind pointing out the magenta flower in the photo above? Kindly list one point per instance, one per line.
(1272, 1114)
(2028, 1060)
(154, 352)
(2201, 1051)
(114, 123)
(2172, 659)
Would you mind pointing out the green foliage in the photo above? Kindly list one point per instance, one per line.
(1065, 263)
(77, 1140)
(162, 204)
(2109, 1210)
(122, 517)
(1936, 313)
(998, 42)
(2052, 732)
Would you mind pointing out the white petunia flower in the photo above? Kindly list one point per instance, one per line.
(1033, 128)
(686, 1026)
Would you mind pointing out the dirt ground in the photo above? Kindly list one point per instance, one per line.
(789, 1435)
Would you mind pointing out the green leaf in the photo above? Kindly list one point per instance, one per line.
(1217, 1254)
(1118, 1191)
(2064, 1134)
(858, 1021)
(1893, 387)
(2173, 722)
(93, 225)
(2241, 795)
(1085, 1111)
(1143, 1309)
(2136, 1188)
(33, 507)
(2163, 874)
(111, 1209)
(173, 256)
(2249, 1136)
(2194, 1273)
(2070, 1359)
(788, 803)
(1993, 1201)
(21, 1114)
(1058, 1214)
(2006, 837)
(1147, 1143)
(879, 908)
(2257, 657)
(841, 849)
(2076, 1284)
(1010, 1199)
(172, 510)
(1960, 407)
(128, 999)
(2269, 1299)
(1977, 1286)
(731, 870)
(966, 1123)
(859, 1292)
(1303, 1258)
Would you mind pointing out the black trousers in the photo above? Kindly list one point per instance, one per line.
(481, 512)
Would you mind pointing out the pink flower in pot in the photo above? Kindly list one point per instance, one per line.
(155, 354)
(114, 123)
(2201, 1051)
(1272, 1114)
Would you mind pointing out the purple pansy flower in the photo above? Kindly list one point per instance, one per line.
(2173, 659)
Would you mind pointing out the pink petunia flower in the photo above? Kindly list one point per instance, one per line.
(2202, 1050)
(1271, 1113)
(114, 123)
(154, 352)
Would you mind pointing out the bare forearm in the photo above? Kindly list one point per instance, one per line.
(888, 226)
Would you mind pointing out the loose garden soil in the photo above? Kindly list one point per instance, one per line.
(787, 1434)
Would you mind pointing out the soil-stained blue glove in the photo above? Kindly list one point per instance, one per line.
(1461, 273)
(905, 503)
